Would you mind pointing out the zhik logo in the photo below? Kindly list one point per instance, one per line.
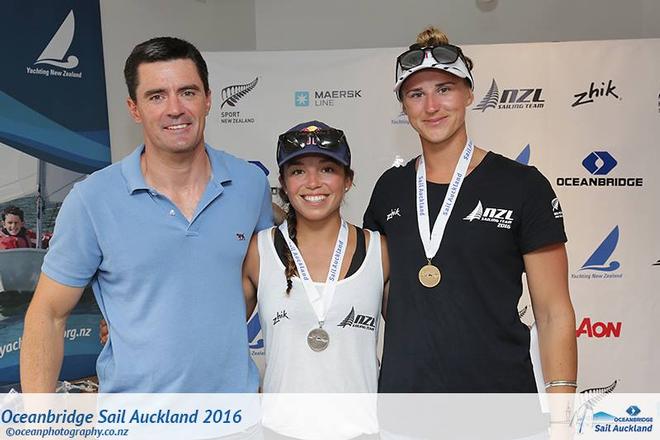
(59, 45)
(503, 217)
(598, 329)
(599, 162)
(588, 96)
(511, 99)
(598, 261)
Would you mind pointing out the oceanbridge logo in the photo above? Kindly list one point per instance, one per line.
(324, 98)
(55, 53)
(600, 163)
(230, 96)
(599, 263)
(630, 422)
(511, 99)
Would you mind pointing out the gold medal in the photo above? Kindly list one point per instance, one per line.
(429, 275)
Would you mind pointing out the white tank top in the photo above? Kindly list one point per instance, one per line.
(349, 364)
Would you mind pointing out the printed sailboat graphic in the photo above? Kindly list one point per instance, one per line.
(598, 260)
(56, 50)
(476, 213)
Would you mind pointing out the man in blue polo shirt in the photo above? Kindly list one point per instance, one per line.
(161, 236)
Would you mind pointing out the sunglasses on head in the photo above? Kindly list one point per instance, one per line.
(327, 139)
(442, 54)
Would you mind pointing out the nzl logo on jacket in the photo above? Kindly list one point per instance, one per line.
(502, 217)
(511, 99)
(359, 321)
(231, 96)
(55, 59)
(600, 264)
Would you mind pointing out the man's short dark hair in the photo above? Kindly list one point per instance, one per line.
(162, 49)
(13, 210)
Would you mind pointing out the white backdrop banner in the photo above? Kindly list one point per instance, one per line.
(587, 114)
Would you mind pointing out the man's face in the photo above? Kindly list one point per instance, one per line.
(171, 105)
(435, 102)
(13, 224)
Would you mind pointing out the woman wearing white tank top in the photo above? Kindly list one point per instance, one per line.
(319, 282)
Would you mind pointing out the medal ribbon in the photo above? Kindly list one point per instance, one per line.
(320, 302)
(431, 239)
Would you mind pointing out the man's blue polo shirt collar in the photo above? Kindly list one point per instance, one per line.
(132, 172)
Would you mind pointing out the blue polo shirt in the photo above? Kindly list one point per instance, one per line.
(170, 289)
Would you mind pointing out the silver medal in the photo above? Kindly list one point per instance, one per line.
(318, 339)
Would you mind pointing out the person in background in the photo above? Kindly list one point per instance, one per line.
(13, 233)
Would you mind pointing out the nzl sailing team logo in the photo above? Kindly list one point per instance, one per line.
(511, 99)
(55, 58)
(359, 321)
(502, 217)
(600, 264)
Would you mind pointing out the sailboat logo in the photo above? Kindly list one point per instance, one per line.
(254, 333)
(476, 213)
(523, 157)
(55, 52)
(599, 259)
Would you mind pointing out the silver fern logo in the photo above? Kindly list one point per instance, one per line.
(583, 416)
(232, 94)
(491, 99)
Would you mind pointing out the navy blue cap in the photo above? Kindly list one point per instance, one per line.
(336, 147)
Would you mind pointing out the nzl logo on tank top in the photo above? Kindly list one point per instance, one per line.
(359, 321)
(502, 217)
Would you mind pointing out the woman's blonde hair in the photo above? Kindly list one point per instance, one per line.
(432, 36)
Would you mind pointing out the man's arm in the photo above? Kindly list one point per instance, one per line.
(42, 347)
(547, 279)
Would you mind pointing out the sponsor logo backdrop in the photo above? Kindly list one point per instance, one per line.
(574, 110)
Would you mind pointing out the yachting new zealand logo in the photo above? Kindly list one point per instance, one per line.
(230, 97)
(54, 56)
(511, 99)
(502, 217)
(358, 321)
(599, 264)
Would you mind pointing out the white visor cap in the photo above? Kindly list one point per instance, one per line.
(457, 68)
